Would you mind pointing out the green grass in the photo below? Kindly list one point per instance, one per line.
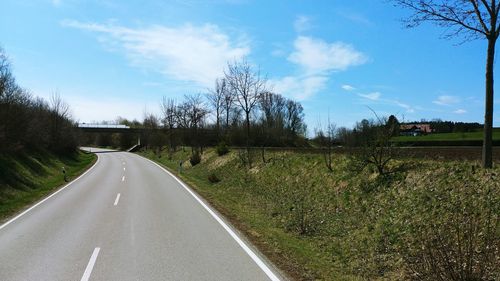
(448, 136)
(27, 177)
(340, 225)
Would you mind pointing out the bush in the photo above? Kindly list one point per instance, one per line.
(195, 158)
(451, 228)
(213, 178)
(222, 148)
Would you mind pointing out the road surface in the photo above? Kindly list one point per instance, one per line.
(125, 219)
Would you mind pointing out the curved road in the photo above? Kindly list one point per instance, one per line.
(125, 219)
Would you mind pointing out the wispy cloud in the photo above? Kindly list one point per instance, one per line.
(302, 23)
(316, 55)
(56, 2)
(371, 96)
(446, 100)
(187, 53)
(348, 87)
(460, 111)
(300, 88)
(376, 98)
(358, 19)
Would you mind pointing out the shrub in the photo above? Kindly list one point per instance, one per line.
(451, 228)
(222, 148)
(195, 158)
(213, 178)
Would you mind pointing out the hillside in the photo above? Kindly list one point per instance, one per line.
(352, 224)
(28, 176)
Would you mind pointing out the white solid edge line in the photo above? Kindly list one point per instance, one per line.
(117, 199)
(238, 240)
(47, 198)
(90, 265)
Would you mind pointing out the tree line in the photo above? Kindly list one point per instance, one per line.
(28, 122)
(240, 110)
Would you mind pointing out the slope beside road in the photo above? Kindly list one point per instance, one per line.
(126, 219)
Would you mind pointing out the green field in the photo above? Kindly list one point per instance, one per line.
(27, 177)
(448, 136)
(347, 224)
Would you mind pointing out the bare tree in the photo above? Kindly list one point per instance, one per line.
(216, 98)
(169, 111)
(227, 105)
(193, 113)
(5, 74)
(248, 86)
(472, 19)
(327, 139)
(59, 106)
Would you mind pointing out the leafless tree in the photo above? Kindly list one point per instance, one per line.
(5, 74)
(327, 139)
(472, 19)
(59, 106)
(60, 112)
(228, 105)
(294, 121)
(216, 98)
(192, 114)
(248, 86)
(272, 107)
(169, 120)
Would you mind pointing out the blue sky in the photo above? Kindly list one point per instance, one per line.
(339, 58)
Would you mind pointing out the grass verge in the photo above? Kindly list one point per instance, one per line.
(353, 224)
(27, 177)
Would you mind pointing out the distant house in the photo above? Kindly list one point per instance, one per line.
(415, 129)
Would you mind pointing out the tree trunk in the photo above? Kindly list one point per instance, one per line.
(488, 114)
(247, 113)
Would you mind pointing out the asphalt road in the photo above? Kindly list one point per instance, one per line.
(126, 219)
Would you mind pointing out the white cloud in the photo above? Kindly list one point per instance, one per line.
(460, 111)
(316, 55)
(299, 88)
(56, 2)
(348, 87)
(408, 108)
(315, 58)
(371, 96)
(186, 53)
(302, 23)
(446, 100)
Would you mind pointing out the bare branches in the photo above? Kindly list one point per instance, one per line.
(470, 18)
(216, 97)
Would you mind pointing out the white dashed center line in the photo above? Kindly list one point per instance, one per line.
(123, 178)
(117, 199)
(90, 265)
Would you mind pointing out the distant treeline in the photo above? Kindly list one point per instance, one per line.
(32, 122)
(238, 111)
(439, 126)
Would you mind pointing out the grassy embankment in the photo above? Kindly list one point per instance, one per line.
(353, 224)
(27, 177)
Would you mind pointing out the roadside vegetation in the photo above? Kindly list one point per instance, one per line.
(422, 220)
(27, 177)
(37, 139)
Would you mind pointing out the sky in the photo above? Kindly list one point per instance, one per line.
(343, 60)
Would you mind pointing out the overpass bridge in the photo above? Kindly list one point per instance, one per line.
(104, 128)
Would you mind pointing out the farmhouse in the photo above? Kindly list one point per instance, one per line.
(415, 129)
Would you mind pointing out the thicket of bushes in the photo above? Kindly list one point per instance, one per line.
(31, 122)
